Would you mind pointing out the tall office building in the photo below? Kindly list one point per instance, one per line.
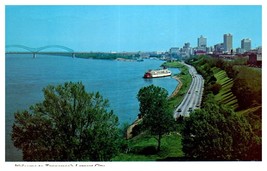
(202, 43)
(228, 42)
(186, 51)
(246, 44)
(218, 48)
(174, 52)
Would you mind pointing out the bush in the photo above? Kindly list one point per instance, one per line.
(215, 88)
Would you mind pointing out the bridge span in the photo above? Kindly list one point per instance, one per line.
(40, 50)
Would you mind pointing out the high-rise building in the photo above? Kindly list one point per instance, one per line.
(240, 50)
(202, 43)
(210, 49)
(218, 48)
(186, 51)
(246, 44)
(174, 52)
(228, 42)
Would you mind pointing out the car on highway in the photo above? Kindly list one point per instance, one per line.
(179, 110)
(190, 109)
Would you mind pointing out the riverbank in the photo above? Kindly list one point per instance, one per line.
(184, 80)
(178, 87)
(138, 120)
(129, 134)
(105, 55)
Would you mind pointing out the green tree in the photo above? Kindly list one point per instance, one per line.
(69, 125)
(156, 117)
(215, 88)
(217, 133)
(255, 120)
(248, 87)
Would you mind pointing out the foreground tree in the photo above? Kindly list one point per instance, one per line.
(217, 133)
(69, 125)
(154, 111)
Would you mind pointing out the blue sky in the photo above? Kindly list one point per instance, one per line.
(130, 28)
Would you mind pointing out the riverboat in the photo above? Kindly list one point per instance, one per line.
(157, 73)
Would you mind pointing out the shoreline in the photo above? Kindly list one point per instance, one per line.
(138, 120)
(130, 128)
(178, 87)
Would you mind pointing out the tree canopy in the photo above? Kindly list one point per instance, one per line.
(69, 125)
(154, 111)
(248, 87)
(217, 133)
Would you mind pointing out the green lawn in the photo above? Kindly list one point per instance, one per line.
(225, 95)
(143, 148)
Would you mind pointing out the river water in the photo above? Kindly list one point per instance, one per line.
(118, 81)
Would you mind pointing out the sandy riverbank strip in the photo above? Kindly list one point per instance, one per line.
(129, 134)
(178, 87)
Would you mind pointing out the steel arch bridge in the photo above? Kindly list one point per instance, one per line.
(36, 50)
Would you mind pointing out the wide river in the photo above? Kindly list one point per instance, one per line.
(117, 81)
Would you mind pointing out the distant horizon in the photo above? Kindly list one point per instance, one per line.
(90, 51)
(131, 28)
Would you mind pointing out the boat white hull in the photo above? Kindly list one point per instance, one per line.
(161, 75)
(157, 73)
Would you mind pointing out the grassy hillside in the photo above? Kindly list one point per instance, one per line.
(143, 148)
(225, 95)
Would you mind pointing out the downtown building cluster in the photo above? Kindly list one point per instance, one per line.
(220, 49)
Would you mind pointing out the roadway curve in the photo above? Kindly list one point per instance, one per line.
(193, 97)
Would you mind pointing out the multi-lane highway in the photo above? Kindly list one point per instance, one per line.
(193, 97)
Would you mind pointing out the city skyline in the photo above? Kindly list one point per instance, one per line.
(131, 28)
